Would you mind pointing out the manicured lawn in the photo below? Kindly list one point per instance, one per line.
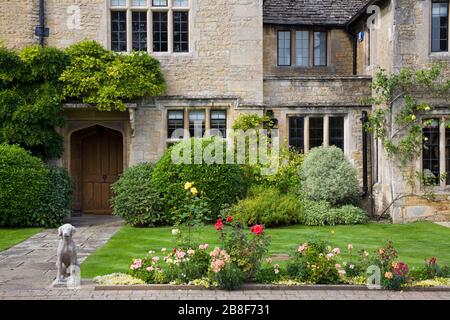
(11, 237)
(415, 242)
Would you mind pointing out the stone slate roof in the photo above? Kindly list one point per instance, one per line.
(311, 12)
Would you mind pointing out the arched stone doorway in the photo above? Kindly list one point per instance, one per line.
(96, 163)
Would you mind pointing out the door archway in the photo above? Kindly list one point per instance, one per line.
(96, 163)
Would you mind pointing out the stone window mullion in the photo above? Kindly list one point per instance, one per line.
(186, 123)
(149, 27)
(170, 26)
(306, 134)
(129, 27)
(326, 130)
(208, 120)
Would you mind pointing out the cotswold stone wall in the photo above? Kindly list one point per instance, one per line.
(72, 21)
(226, 39)
(18, 20)
(226, 57)
(315, 91)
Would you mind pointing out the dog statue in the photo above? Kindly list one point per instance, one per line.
(66, 258)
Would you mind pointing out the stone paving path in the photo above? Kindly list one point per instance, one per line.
(87, 292)
(444, 224)
(31, 264)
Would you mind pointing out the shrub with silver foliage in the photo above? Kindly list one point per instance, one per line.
(327, 175)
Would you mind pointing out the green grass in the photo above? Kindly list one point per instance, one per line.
(11, 237)
(415, 242)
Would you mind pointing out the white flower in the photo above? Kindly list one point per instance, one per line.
(175, 232)
(163, 249)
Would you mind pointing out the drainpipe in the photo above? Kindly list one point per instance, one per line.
(364, 120)
(41, 30)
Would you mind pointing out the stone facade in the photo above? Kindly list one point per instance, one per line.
(402, 39)
(18, 20)
(232, 65)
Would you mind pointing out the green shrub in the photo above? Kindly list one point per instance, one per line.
(230, 277)
(57, 206)
(135, 198)
(320, 213)
(270, 207)
(328, 176)
(23, 187)
(430, 271)
(287, 176)
(220, 183)
(349, 215)
(316, 213)
(269, 274)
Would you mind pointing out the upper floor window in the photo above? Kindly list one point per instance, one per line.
(139, 28)
(320, 48)
(118, 31)
(439, 24)
(304, 44)
(284, 48)
(180, 31)
(132, 18)
(302, 48)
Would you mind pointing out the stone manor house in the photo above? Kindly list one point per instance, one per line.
(306, 63)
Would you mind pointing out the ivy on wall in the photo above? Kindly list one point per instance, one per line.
(36, 81)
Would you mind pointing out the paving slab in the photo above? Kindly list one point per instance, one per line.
(32, 263)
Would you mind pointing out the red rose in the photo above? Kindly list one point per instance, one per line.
(258, 229)
(230, 219)
(219, 225)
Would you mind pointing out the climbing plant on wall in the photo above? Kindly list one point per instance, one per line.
(107, 79)
(400, 100)
(35, 82)
(31, 100)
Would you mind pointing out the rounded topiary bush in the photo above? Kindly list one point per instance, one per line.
(328, 176)
(220, 183)
(135, 198)
(24, 184)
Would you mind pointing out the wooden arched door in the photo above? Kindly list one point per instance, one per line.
(101, 162)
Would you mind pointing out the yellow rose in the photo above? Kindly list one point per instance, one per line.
(194, 191)
(388, 275)
(188, 185)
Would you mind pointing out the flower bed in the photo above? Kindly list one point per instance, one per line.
(241, 263)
